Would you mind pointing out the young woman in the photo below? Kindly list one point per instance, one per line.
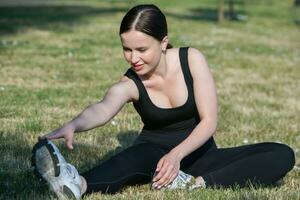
(174, 93)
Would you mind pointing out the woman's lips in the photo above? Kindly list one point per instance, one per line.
(138, 67)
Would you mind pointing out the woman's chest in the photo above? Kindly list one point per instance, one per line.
(171, 92)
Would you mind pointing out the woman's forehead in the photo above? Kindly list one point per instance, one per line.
(136, 37)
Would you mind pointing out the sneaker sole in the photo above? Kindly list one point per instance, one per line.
(66, 192)
(54, 157)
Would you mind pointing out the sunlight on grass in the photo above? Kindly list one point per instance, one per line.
(56, 59)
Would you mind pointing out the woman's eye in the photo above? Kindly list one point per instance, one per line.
(126, 49)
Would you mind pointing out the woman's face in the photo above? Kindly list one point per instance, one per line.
(142, 51)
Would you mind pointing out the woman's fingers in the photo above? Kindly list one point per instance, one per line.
(160, 164)
(69, 142)
(159, 175)
(171, 179)
(53, 135)
(167, 169)
(63, 132)
(164, 176)
(165, 179)
(158, 170)
(48, 136)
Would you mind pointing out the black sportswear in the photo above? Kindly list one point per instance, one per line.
(167, 127)
(164, 128)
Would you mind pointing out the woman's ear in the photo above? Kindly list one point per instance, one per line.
(164, 43)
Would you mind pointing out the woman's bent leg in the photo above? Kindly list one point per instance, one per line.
(133, 165)
(263, 163)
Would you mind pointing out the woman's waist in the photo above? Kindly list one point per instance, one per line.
(171, 139)
(184, 125)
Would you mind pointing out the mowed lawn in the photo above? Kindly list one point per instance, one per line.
(57, 57)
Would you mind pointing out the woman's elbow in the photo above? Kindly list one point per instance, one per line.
(211, 124)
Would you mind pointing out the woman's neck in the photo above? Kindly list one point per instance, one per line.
(160, 70)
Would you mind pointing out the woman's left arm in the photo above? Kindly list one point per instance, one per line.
(206, 102)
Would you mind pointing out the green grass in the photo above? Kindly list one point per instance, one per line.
(58, 57)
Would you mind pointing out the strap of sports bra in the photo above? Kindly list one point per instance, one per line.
(183, 56)
(133, 76)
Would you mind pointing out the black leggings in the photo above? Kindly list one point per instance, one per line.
(262, 163)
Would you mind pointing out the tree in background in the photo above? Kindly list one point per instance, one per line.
(221, 11)
(232, 14)
(296, 12)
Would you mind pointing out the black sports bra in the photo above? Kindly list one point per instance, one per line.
(155, 117)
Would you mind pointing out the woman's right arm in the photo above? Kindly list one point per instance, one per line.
(99, 113)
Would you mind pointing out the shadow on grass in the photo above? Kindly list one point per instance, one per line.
(14, 19)
(16, 176)
(17, 179)
(94, 155)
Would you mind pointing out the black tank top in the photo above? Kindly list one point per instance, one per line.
(166, 126)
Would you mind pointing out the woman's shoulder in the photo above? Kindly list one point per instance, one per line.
(194, 54)
(173, 57)
(192, 51)
(195, 57)
(197, 61)
(129, 85)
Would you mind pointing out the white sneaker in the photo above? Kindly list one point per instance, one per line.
(50, 166)
(182, 181)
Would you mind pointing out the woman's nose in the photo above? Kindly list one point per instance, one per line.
(134, 57)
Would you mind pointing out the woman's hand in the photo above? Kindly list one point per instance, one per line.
(167, 169)
(66, 132)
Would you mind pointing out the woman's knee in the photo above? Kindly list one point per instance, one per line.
(286, 156)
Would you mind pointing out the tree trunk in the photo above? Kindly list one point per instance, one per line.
(221, 11)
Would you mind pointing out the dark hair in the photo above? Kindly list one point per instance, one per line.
(148, 19)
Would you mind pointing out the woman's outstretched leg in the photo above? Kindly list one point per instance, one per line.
(134, 165)
(263, 164)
